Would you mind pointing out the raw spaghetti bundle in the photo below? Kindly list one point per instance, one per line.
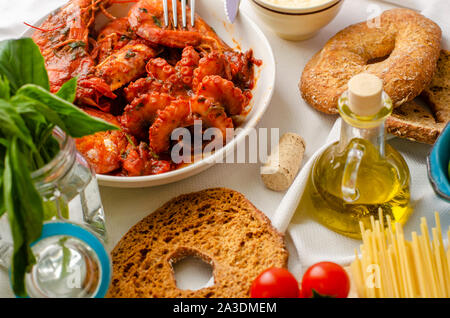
(393, 267)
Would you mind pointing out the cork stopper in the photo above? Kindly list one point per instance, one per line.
(365, 94)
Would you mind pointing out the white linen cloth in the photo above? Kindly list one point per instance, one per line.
(315, 242)
(125, 207)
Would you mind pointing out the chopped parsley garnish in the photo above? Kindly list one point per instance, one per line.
(76, 44)
(125, 154)
(157, 21)
(143, 10)
(130, 54)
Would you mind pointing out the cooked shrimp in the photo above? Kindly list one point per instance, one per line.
(103, 149)
(66, 49)
(138, 161)
(125, 65)
(147, 19)
(115, 35)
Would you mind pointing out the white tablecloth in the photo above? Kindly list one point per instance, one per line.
(125, 207)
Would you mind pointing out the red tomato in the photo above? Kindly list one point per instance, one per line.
(275, 283)
(325, 279)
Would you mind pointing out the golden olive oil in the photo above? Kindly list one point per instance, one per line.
(380, 183)
(359, 175)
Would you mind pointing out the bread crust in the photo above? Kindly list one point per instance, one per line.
(410, 40)
(414, 122)
(437, 93)
(220, 226)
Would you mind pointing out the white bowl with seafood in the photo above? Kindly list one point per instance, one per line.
(243, 35)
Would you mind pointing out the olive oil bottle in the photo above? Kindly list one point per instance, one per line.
(356, 176)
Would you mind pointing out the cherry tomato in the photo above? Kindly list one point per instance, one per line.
(325, 279)
(275, 283)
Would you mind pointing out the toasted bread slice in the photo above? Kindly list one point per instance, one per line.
(220, 226)
(415, 122)
(438, 92)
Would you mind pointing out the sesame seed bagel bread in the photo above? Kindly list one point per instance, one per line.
(220, 226)
(410, 41)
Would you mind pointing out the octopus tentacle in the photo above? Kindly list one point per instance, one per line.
(142, 111)
(213, 63)
(212, 114)
(172, 117)
(223, 92)
(186, 66)
(159, 68)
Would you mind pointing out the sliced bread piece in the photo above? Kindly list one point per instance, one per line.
(438, 92)
(415, 122)
(220, 226)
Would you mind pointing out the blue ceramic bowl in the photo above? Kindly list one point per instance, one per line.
(438, 165)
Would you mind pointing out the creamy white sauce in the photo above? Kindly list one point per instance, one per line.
(297, 3)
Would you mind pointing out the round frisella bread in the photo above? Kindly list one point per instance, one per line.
(402, 49)
(219, 226)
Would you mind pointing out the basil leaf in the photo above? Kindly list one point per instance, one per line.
(12, 125)
(22, 63)
(38, 111)
(2, 169)
(77, 122)
(4, 88)
(68, 90)
(25, 214)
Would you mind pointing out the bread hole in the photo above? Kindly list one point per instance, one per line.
(376, 60)
(192, 272)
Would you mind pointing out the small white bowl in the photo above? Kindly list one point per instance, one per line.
(296, 24)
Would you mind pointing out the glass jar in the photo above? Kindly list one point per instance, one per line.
(70, 262)
(69, 190)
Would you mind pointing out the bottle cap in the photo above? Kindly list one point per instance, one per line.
(365, 94)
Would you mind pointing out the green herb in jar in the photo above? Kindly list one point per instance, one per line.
(28, 115)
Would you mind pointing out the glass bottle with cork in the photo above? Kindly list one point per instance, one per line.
(356, 176)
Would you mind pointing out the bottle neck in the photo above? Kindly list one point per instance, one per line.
(370, 128)
(375, 135)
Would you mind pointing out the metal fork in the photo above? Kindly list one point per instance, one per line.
(183, 12)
